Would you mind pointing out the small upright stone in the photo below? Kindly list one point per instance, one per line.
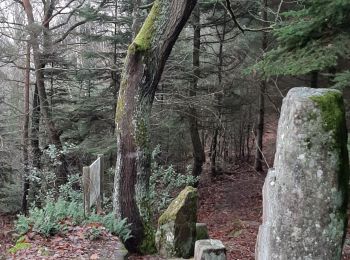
(209, 249)
(176, 232)
(201, 231)
(305, 195)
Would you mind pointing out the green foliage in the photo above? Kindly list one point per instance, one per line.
(165, 182)
(311, 38)
(48, 220)
(342, 80)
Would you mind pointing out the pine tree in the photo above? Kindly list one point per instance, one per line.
(313, 38)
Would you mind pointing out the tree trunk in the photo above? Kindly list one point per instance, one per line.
(35, 128)
(258, 165)
(214, 143)
(198, 151)
(314, 79)
(144, 65)
(26, 132)
(39, 63)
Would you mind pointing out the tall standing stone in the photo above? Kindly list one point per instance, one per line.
(176, 234)
(305, 195)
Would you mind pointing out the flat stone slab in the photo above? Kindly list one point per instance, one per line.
(209, 249)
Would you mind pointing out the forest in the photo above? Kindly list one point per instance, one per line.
(113, 111)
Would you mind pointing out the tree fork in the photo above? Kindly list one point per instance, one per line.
(143, 68)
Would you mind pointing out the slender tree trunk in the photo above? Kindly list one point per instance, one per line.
(198, 151)
(35, 128)
(314, 79)
(144, 65)
(258, 163)
(39, 63)
(214, 153)
(26, 132)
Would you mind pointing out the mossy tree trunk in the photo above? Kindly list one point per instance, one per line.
(143, 68)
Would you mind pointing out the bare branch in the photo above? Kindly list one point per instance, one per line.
(229, 9)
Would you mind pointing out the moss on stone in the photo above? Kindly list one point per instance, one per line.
(170, 213)
(143, 40)
(332, 109)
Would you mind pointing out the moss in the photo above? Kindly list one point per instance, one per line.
(20, 245)
(121, 101)
(332, 109)
(143, 40)
(141, 133)
(333, 116)
(148, 245)
(170, 213)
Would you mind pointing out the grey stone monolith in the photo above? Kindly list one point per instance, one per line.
(176, 233)
(305, 195)
(209, 249)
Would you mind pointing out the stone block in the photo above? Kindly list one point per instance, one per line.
(209, 249)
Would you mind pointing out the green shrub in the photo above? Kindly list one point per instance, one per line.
(165, 182)
(48, 220)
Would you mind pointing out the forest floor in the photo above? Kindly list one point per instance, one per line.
(230, 205)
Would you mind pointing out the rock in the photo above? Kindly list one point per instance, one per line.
(209, 249)
(305, 195)
(176, 231)
(201, 231)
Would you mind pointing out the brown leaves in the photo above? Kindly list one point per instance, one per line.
(74, 243)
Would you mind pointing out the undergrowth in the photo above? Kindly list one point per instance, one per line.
(50, 219)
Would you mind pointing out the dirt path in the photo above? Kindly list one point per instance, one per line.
(232, 208)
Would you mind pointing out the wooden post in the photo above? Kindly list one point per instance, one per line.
(102, 170)
(100, 196)
(86, 188)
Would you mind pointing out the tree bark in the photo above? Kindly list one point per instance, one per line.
(144, 65)
(35, 128)
(314, 79)
(258, 162)
(39, 63)
(198, 151)
(26, 132)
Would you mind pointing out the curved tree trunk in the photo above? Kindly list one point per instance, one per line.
(144, 65)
